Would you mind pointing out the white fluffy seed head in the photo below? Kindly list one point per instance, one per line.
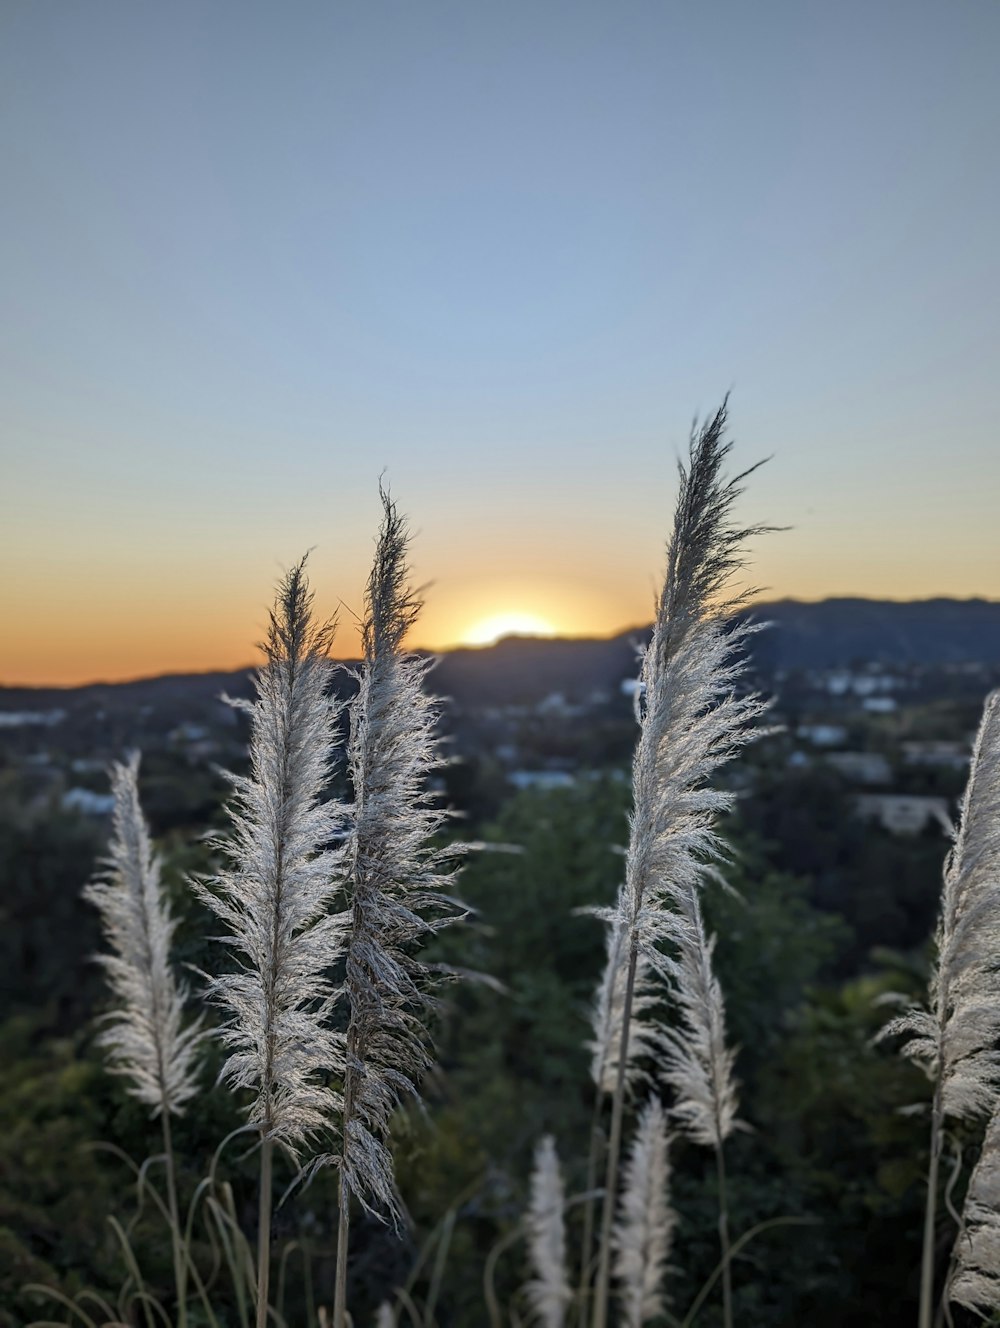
(145, 1037)
(609, 1010)
(548, 1291)
(955, 1039)
(645, 1226)
(696, 1061)
(692, 718)
(283, 875)
(398, 878)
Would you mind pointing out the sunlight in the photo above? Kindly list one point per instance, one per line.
(485, 632)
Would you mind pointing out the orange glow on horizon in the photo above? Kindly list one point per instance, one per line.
(490, 630)
(124, 633)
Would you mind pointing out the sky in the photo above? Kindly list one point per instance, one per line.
(255, 256)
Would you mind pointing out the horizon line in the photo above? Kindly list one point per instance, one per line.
(454, 648)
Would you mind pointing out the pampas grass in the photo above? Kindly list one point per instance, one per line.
(548, 1291)
(398, 885)
(145, 1037)
(955, 1038)
(607, 1018)
(691, 723)
(975, 1281)
(276, 897)
(645, 1226)
(698, 1064)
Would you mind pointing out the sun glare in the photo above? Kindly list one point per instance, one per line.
(487, 631)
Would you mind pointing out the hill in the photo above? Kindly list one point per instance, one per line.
(833, 633)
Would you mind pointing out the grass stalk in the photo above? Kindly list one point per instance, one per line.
(489, 1273)
(343, 1231)
(264, 1232)
(180, 1259)
(343, 1189)
(587, 1239)
(926, 1313)
(440, 1261)
(736, 1247)
(601, 1289)
(727, 1278)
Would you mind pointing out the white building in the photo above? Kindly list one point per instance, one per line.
(87, 802)
(823, 735)
(902, 813)
(541, 779)
(949, 755)
(861, 767)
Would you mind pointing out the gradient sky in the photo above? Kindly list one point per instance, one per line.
(252, 255)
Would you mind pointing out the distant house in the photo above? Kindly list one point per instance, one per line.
(823, 735)
(541, 779)
(556, 704)
(841, 682)
(18, 719)
(903, 814)
(187, 733)
(949, 755)
(87, 802)
(879, 705)
(861, 767)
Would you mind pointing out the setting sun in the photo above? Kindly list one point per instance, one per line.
(487, 631)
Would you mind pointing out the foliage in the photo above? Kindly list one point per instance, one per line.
(815, 893)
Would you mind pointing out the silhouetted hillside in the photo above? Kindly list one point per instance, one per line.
(838, 632)
(520, 670)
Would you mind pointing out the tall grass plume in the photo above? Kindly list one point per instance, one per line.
(548, 1291)
(145, 1037)
(276, 897)
(398, 879)
(955, 1038)
(692, 720)
(646, 1222)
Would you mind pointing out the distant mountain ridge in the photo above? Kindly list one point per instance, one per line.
(831, 633)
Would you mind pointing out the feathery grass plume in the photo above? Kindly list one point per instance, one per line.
(145, 1037)
(692, 722)
(954, 1040)
(605, 1048)
(975, 1282)
(609, 1008)
(397, 882)
(697, 1063)
(646, 1222)
(276, 895)
(548, 1291)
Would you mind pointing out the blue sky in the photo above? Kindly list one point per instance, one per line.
(253, 255)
